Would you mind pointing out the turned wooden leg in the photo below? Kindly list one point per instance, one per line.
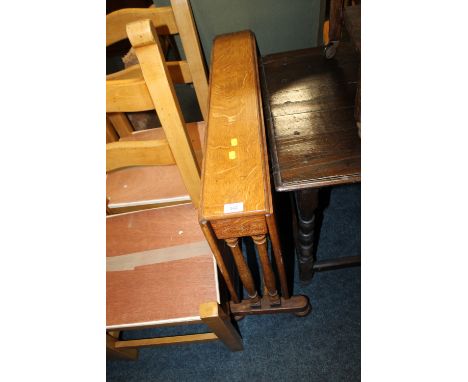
(306, 205)
(218, 321)
(276, 248)
(244, 271)
(210, 238)
(267, 271)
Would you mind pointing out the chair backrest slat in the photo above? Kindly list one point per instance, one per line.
(129, 95)
(126, 90)
(179, 70)
(138, 153)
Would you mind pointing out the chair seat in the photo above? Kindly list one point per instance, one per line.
(152, 186)
(159, 268)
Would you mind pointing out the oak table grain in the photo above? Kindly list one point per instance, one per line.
(313, 139)
(236, 192)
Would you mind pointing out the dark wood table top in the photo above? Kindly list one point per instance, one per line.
(309, 111)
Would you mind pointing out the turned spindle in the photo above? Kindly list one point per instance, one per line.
(243, 268)
(268, 276)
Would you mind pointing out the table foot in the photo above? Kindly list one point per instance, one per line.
(296, 304)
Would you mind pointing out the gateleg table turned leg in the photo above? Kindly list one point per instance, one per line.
(268, 276)
(276, 249)
(244, 271)
(306, 206)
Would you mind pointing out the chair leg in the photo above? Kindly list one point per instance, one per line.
(218, 321)
(112, 352)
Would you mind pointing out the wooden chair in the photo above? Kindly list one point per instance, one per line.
(160, 265)
(339, 12)
(347, 13)
(130, 91)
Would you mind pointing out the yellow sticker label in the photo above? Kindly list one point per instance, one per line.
(232, 155)
(234, 142)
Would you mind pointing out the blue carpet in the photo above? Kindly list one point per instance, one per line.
(324, 346)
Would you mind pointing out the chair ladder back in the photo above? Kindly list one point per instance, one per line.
(145, 42)
(132, 96)
(179, 70)
(126, 90)
(177, 19)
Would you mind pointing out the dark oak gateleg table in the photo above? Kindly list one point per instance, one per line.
(309, 105)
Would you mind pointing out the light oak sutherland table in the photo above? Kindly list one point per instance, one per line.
(236, 194)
